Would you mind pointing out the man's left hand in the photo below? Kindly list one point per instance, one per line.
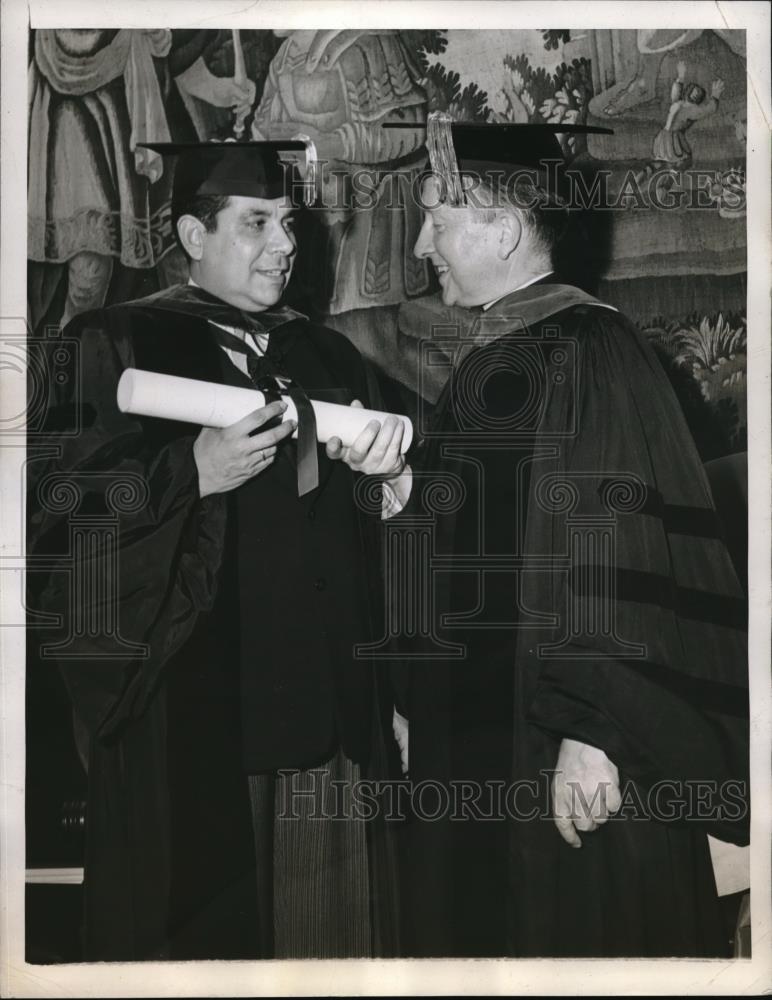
(585, 790)
(376, 452)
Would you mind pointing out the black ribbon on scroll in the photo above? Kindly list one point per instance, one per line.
(274, 387)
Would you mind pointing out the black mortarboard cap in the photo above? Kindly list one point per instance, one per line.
(251, 169)
(496, 149)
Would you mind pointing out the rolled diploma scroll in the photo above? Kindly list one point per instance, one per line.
(150, 394)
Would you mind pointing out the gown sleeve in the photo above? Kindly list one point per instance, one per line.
(680, 742)
(128, 594)
(664, 691)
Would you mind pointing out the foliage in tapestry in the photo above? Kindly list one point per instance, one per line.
(444, 93)
(443, 86)
(553, 39)
(534, 95)
(706, 357)
(422, 44)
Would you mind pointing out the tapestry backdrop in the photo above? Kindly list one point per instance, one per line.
(666, 241)
(663, 236)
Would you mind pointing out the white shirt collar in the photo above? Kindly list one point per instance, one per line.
(257, 343)
(531, 281)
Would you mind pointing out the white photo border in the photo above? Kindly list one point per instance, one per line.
(379, 977)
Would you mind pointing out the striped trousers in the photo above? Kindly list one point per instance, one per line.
(313, 870)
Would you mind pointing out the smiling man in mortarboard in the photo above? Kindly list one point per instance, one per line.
(587, 619)
(234, 711)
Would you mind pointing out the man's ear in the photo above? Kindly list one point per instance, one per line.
(191, 233)
(511, 232)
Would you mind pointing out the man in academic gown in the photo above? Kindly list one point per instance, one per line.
(208, 637)
(585, 724)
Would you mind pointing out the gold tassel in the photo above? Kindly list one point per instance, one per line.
(442, 156)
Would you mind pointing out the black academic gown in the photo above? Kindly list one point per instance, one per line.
(559, 420)
(236, 619)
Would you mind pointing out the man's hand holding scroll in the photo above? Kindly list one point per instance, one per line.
(229, 457)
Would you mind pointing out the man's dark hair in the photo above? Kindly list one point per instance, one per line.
(205, 207)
